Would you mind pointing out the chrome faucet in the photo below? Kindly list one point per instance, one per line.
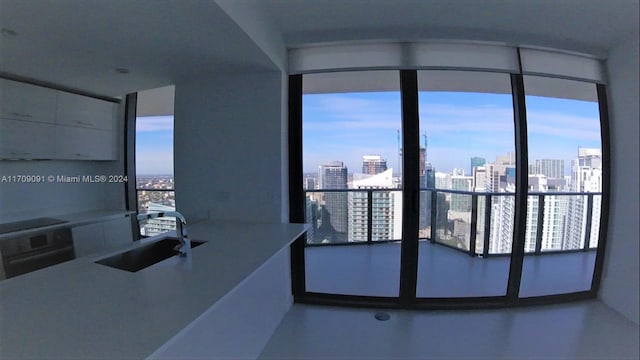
(184, 248)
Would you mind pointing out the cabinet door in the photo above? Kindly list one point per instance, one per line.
(88, 239)
(118, 232)
(76, 143)
(82, 111)
(25, 140)
(27, 102)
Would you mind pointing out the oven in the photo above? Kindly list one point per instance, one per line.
(24, 254)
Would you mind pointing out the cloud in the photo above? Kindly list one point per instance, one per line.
(563, 125)
(347, 126)
(445, 119)
(154, 123)
(350, 112)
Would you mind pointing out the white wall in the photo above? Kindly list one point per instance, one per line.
(25, 201)
(252, 18)
(228, 147)
(620, 280)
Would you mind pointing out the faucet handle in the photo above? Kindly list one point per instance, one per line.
(180, 248)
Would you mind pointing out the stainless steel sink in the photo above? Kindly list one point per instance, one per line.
(146, 255)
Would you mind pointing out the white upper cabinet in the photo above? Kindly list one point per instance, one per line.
(82, 111)
(20, 101)
(76, 143)
(25, 139)
(43, 123)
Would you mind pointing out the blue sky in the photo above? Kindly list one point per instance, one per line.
(458, 125)
(154, 145)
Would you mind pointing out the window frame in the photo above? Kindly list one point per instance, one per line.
(409, 253)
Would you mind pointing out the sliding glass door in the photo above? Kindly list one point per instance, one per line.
(446, 188)
(352, 181)
(565, 186)
(467, 174)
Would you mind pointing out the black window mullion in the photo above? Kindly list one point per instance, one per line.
(474, 225)
(603, 107)
(520, 216)
(410, 187)
(130, 192)
(296, 191)
(487, 225)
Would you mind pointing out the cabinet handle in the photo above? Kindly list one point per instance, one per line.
(82, 155)
(21, 115)
(20, 153)
(84, 123)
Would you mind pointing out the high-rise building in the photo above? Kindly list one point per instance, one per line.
(497, 173)
(475, 162)
(333, 176)
(461, 202)
(551, 168)
(443, 180)
(553, 222)
(502, 212)
(386, 209)
(422, 159)
(309, 183)
(159, 225)
(586, 176)
(373, 164)
(311, 217)
(479, 179)
(429, 182)
(429, 176)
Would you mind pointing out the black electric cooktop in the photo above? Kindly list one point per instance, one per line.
(28, 224)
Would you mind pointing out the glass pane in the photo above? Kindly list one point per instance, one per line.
(154, 159)
(351, 134)
(467, 153)
(565, 165)
(154, 171)
(595, 221)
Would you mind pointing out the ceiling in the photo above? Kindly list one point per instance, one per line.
(589, 26)
(79, 44)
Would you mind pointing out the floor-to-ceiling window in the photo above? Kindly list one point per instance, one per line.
(565, 186)
(467, 175)
(154, 158)
(352, 179)
(493, 193)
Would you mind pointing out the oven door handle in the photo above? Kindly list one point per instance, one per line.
(15, 260)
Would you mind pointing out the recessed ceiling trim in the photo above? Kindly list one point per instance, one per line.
(441, 55)
(539, 62)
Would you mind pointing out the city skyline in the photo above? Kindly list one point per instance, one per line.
(344, 127)
(339, 217)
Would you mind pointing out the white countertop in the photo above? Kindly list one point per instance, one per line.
(80, 309)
